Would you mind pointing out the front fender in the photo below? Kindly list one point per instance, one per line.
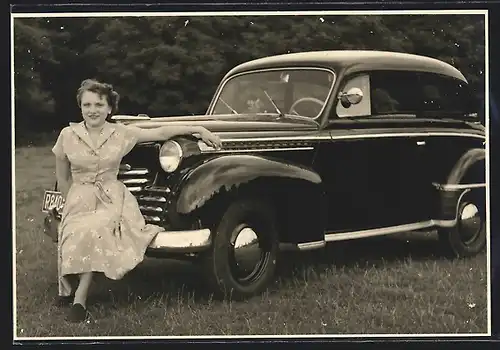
(201, 183)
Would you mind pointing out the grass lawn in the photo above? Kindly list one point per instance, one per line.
(396, 284)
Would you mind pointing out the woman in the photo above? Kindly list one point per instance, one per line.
(102, 229)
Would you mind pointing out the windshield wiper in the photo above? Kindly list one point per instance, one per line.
(228, 106)
(281, 114)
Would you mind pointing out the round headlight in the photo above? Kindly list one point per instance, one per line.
(170, 156)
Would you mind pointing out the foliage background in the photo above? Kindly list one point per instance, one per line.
(172, 65)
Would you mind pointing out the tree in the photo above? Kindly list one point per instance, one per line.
(32, 51)
(172, 65)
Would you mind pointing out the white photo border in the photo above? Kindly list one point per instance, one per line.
(16, 15)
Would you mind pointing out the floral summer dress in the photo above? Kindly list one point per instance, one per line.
(102, 228)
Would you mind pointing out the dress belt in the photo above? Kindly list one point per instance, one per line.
(106, 200)
(100, 190)
(101, 194)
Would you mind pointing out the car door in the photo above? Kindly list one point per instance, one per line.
(447, 105)
(372, 167)
(396, 100)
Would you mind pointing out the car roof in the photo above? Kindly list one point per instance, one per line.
(352, 61)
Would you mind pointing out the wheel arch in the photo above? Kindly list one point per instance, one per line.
(467, 168)
(294, 191)
(466, 177)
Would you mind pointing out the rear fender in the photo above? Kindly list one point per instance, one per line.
(463, 167)
(468, 171)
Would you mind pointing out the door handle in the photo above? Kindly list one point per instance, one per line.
(420, 143)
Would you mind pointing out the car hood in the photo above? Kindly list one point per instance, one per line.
(228, 123)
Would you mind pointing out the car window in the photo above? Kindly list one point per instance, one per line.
(394, 92)
(310, 92)
(253, 99)
(442, 95)
(301, 91)
(413, 93)
(364, 107)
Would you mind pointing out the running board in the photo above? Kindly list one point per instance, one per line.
(343, 236)
(331, 237)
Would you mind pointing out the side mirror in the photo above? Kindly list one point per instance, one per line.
(352, 97)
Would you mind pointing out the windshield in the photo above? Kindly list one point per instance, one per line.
(299, 91)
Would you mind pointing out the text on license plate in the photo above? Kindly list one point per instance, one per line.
(52, 199)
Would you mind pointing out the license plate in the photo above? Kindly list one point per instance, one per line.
(52, 199)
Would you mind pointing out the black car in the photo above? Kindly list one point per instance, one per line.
(317, 147)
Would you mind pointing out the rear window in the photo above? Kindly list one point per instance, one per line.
(446, 96)
(423, 94)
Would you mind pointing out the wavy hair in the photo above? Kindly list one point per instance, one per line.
(102, 89)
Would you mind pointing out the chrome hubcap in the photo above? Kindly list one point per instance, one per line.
(470, 222)
(247, 254)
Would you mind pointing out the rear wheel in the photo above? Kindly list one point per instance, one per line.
(468, 237)
(242, 260)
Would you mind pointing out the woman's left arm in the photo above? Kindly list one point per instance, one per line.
(164, 133)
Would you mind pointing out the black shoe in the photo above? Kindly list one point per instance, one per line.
(64, 300)
(77, 313)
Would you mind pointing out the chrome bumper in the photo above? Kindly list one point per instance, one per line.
(189, 241)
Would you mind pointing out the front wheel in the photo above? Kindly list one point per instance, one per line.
(468, 237)
(242, 260)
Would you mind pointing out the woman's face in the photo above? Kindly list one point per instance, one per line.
(95, 108)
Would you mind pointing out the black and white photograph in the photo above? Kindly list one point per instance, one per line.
(250, 174)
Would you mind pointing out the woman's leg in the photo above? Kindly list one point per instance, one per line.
(81, 292)
(67, 287)
(78, 312)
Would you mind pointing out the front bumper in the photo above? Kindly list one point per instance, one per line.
(186, 241)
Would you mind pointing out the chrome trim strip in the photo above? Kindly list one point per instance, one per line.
(157, 189)
(124, 117)
(134, 181)
(206, 149)
(152, 218)
(134, 189)
(150, 208)
(152, 199)
(125, 167)
(249, 150)
(134, 172)
(409, 134)
(445, 223)
(353, 136)
(284, 68)
(331, 237)
(453, 187)
(311, 245)
(182, 240)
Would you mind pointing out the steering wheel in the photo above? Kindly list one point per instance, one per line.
(302, 100)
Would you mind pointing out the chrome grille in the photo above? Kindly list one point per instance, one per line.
(152, 200)
(134, 178)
